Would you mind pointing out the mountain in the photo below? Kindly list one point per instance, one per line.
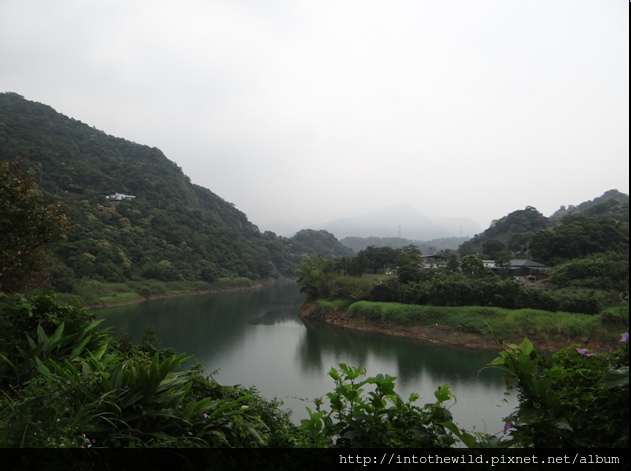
(171, 229)
(607, 200)
(427, 247)
(402, 220)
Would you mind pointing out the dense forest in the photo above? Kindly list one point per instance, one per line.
(588, 245)
(171, 230)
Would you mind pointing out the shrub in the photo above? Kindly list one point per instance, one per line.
(383, 419)
(573, 399)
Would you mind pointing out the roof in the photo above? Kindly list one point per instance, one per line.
(526, 263)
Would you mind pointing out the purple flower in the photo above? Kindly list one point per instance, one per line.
(67, 382)
(583, 351)
(205, 416)
(509, 425)
(624, 337)
(94, 441)
(92, 320)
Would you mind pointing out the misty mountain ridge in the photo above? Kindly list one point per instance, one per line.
(401, 220)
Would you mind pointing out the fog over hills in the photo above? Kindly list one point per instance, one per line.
(401, 219)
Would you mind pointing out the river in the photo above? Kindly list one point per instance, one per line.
(255, 338)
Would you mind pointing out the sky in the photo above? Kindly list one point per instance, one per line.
(302, 112)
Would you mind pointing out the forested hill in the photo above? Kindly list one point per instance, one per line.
(172, 229)
(609, 200)
(515, 228)
(591, 240)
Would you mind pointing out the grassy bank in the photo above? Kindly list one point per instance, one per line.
(512, 325)
(92, 292)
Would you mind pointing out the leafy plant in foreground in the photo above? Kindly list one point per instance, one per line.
(574, 398)
(382, 419)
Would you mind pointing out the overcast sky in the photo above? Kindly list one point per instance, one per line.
(309, 111)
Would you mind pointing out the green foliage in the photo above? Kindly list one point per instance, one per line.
(441, 289)
(75, 386)
(579, 236)
(380, 419)
(349, 287)
(508, 323)
(473, 267)
(28, 228)
(609, 271)
(313, 277)
(321, 243)
(379, 258)
(200, 235)
(609, 200)
(573, 399)
(492, 247)
(409, 262)
(453, 265)
(527, 220)
(467, 248)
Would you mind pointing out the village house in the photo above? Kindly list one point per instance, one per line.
(119, 197)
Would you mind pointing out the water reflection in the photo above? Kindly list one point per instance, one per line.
(256, 338)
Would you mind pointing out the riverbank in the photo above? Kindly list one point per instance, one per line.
(446, 331)
(93, 294)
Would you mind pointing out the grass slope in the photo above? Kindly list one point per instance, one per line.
(501, 322)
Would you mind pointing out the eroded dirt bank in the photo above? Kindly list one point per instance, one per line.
(439, 334)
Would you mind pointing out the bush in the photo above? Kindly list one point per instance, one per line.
(76, 386)
(574, 399)
(161, 272)
(382, 420)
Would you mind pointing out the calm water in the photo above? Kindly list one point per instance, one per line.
(255, 337)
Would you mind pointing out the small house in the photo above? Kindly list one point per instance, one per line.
(119, 197)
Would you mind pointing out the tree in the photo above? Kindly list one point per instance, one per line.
(28, 228)
(313, 277)
(467, 248)
(472, 266)
(380, 257)
(503, 262)
(452, 263)
(359, 264)
(409, 261)
(493, 247)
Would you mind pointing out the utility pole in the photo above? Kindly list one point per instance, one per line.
(527, 250)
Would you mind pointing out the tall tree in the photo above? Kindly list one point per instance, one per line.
(28, 229)
(409, 261)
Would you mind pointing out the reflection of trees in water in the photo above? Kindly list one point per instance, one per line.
(414, 359)
(285, 312)
(339, 345)
(206, 325)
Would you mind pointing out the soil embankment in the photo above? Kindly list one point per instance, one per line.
(440, 334)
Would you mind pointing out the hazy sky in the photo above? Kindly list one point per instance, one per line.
(316, 110)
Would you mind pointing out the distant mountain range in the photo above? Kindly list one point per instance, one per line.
(401, 220)
(428, 247)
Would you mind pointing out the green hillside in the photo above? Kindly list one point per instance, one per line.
(172, 230)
